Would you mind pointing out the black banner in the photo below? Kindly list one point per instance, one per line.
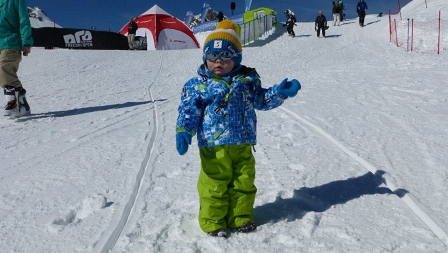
(50, 37)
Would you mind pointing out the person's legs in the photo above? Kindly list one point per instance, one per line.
(242, 189)
(16, 103)
(291, 30)
(214, 177)
(9, 65)
(131, 42)
(362, 17)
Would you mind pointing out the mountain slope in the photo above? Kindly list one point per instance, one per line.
(39, 19)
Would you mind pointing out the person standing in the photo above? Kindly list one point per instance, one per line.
(220, 16)
(341, 4)
(320, 24)
(336, 14)
(132, 29)
(290, 22)
(219, 106)
(361, 8)
(15, 38)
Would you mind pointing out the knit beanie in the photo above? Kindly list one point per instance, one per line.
(224, 38)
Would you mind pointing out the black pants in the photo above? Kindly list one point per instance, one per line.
(362, 15)
(321, 28)
(290, 30)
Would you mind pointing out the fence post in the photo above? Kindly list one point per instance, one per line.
(407, 39)
(412, 36)
(396, 32)
(390, 27)
(438, 42)
(399, 9)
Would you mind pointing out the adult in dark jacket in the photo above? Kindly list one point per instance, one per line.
(290, 22)
(15, 38)
(132, 29)
(342, 10)
(220, 16)
(361, 8)
(320, 23)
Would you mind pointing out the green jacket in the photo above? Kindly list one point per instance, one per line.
(15, 26)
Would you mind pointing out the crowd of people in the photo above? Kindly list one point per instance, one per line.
(321, 20)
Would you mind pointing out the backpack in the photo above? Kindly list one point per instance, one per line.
(293, 18)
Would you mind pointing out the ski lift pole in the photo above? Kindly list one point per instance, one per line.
(438, 40)
(407, 40)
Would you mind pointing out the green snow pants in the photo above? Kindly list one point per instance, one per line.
(226, 186)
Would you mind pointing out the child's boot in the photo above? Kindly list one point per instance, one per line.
(247, 227)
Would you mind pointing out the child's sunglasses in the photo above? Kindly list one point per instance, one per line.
(225, 56)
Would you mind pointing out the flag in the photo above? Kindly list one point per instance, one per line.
(205, 8)
(188, 18)
(248, 4)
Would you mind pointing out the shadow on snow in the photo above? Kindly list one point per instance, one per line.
(77, 111)
(320, 198)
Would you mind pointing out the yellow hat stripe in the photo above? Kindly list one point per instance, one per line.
(224, 34)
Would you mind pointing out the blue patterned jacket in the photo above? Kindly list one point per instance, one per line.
(223, 113)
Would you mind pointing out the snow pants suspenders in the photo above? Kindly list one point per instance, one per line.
(226, 186)
(9, 65)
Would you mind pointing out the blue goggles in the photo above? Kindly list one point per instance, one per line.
(225, 56)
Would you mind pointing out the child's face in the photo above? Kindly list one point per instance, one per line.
(220, 67)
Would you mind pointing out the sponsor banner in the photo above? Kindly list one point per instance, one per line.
(50, 37)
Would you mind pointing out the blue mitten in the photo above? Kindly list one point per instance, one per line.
(288, 88)
(183, 139)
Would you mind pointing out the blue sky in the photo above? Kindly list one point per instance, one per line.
(105, 15)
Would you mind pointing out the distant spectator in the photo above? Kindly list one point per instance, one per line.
(220, 16)
(336, 14)
(341, 4)
(132, 29)
(361, 8)
(320, 24)
(290, 22)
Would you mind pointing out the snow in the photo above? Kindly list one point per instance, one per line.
(356, 162)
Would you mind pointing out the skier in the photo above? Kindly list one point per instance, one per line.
(361, 8)
(320, 24)
(219, 106)
(290, 22)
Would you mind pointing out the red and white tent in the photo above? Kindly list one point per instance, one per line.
(163, 31)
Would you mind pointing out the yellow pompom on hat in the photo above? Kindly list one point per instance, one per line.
(224, 38)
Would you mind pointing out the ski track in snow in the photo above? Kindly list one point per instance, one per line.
(138, 234)
(386, 178)
(145, 170)
(291, 193)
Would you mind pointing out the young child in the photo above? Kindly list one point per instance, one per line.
(219, 106)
